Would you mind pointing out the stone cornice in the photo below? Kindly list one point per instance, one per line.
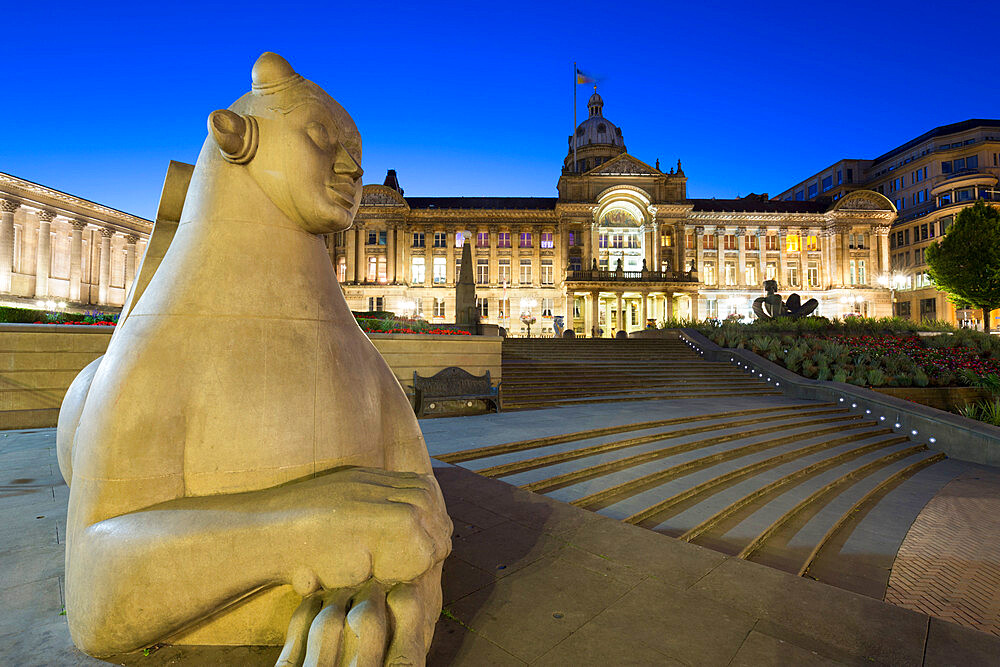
(65, 205)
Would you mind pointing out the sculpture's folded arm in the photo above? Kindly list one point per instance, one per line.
(149, 572)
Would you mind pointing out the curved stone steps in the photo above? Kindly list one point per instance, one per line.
(647, 501)
(508, 465)
(642, 395)
(617, 472)
(558, 393)
(535, 443)
(736, 510)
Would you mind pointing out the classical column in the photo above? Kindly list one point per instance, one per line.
(494, 267)
(76, 259)
(668, 306)
(390, 253)
(781, 277)
(699, 252)
(694, 307)
(720, 263)
(657, 240)
(587, 251)
(647, 249)
(515, 257)
(43, 255)
(595, 244)
(449, 245)
(351, 240)
(619, 316)
(569, 310)
(536, 256)
(595, 314)
(559, 254)
(403, 240)
(642, 310)
(882, 232)
(741, 257)
(7, 209)
(360, 268)
(130, 242)
(761, 256)
(845, 252)
(873, 255)
(104, 277)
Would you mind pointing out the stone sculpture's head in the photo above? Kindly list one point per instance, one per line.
(770, 286)
(297, 143)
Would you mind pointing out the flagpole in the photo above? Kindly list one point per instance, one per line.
(573, 134)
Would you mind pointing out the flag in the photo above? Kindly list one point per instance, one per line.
(583, 78)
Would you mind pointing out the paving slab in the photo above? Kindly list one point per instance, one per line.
(576, 589)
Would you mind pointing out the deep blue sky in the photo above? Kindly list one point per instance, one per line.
(476, 98)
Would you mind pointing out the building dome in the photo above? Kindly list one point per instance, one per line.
(598, 137)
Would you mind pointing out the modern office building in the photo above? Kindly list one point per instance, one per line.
(619, 245)
(61, 248)
(929, 179)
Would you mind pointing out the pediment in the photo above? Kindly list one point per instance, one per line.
(864, 200)
(381, 195)
(624, 165)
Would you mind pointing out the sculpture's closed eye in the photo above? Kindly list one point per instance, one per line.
(317, 132)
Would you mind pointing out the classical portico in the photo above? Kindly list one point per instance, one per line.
(55, 247)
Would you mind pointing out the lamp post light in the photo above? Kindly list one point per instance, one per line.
(409, 308)
(894, 280)
(527, 306)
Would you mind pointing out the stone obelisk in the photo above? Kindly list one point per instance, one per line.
(465, 290)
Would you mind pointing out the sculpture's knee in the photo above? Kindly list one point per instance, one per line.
(69, 417)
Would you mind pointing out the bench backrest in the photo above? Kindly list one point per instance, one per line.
(452, 381)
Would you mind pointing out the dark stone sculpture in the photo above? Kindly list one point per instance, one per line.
(770, 306)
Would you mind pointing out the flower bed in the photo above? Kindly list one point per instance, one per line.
(386, 322)
(874, 359)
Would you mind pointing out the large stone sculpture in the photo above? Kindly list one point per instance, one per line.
(770, 306)
(244, 466)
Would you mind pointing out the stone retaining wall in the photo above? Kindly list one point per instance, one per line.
(39, 361)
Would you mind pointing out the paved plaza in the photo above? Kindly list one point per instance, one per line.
(531, 580)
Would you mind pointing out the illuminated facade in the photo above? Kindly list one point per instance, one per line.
(57, 248)
(929, 179)
(620, 245)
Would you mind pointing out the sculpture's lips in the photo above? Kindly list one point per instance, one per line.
(344, 192)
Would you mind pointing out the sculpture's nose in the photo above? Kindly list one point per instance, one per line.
(346, 164)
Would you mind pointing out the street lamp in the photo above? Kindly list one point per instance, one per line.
(527, 305)
(894, 280)
(409, 307)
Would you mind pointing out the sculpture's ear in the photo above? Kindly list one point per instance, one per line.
(235, 135)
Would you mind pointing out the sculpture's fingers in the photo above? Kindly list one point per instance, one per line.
(325, 636)
(298, 632)
(413, 610)
(366, 628)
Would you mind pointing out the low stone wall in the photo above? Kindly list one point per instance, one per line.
(39, 361)
(942, 398)
(958, 437)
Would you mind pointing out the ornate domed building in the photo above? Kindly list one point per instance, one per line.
(619, 246)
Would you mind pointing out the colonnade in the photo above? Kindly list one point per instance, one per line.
(42, 285)
(617, 304)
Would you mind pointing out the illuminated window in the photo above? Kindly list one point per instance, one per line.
(417, 270)
(342, 269)
(504, 270)
(372, 269)
(812, 274)
(503, 240)
(709, 273)
(547, 240)
(482, 271)
(666, 239)
(750, 273)
(483, 240)
(440, 270)
(547, 307)
(483, 304)
(438, 307)
(547, 272)
(793, 274)
(730, 273)
(602, 240)
(812, 243)
(524, 277)
(459, 239)
(771, 271)
(792, 244)
(525, 240)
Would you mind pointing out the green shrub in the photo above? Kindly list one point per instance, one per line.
(840, 375)
(920, 378)
(875, 377)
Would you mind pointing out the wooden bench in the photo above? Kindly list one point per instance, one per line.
(454, 384)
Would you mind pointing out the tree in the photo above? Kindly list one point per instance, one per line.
(966, 262)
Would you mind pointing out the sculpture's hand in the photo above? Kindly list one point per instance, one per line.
(365, 523)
